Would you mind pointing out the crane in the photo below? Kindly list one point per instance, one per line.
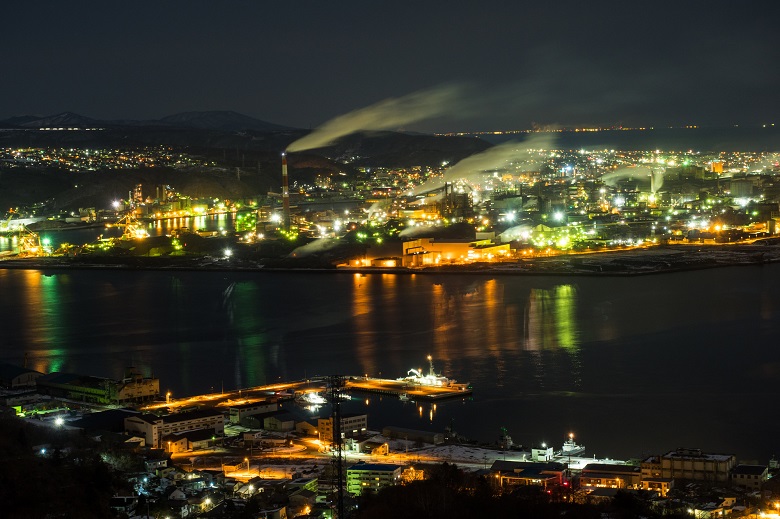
(132, 228)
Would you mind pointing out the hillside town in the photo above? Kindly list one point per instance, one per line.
(254, 453)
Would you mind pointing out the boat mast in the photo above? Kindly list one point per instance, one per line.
(430, 362)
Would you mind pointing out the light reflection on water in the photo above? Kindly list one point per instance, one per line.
(545, 355)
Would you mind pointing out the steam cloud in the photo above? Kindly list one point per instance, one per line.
(418, 230)
(314, 247)
(491, 159)
(517, 232)
(387, 114)
(655, 177)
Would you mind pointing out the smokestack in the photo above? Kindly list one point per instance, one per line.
(285, 195)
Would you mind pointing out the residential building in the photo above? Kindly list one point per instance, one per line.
(372, 477)
(660, 486)
(351, 425)
(750, 477)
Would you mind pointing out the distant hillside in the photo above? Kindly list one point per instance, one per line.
(246, 151)
(225, 121)
(214, 120)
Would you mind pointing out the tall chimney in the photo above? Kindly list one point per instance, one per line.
(285, 195)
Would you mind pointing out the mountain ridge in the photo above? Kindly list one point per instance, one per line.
(219, 120)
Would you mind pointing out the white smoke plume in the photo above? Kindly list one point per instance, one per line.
(497, 157)
(314, 247)
(518, 232)
(388, 114)
(417, 230)
(639, 173)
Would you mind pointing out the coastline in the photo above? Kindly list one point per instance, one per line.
(624, 263)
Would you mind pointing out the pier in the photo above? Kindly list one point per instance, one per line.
(405, 389)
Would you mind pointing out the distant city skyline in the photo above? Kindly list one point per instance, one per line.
(302, 64)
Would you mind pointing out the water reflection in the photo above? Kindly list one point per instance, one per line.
(43, 319)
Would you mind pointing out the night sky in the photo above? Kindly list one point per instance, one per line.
(300, 63)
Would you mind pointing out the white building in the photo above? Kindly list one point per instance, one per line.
(153, 428)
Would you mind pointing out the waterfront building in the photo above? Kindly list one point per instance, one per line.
(610, 476)
(427, 251)
(412, 435)
(14, 377)
(693, 464)
(542, 453)
(241, 411)
(133, 388)
(351, 425)
(750, 477)
(372, 477)
(153, 427)
(522, 473)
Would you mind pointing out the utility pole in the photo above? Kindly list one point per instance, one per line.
(336, 386)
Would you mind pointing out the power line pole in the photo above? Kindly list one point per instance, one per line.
(336, 386)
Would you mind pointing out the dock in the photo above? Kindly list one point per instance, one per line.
(405, 389)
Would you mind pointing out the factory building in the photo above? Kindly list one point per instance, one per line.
(693, 464)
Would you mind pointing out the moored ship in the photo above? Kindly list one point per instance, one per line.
(571, 448)
(416, 377)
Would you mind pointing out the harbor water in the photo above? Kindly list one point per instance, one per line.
(632, 365)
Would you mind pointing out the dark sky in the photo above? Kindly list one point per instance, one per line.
(301, 63)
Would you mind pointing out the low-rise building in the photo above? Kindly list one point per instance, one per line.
(610, 476)
(280, 422)
(153, 427)
(522, 473)
(240, 411)
(14, 377)
(412, 435)
(189, 440)
(96, 390)
(695, 465)
(372, 477)
(351, 425)
(751, 477)
(660, 486)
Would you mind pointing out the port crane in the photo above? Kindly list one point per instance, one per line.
(30, 243)
(131, 227)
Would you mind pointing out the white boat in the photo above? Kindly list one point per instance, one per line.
(311, 398)
(570, 447)
(416, 377)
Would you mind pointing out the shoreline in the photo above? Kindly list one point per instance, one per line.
(630, 263)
